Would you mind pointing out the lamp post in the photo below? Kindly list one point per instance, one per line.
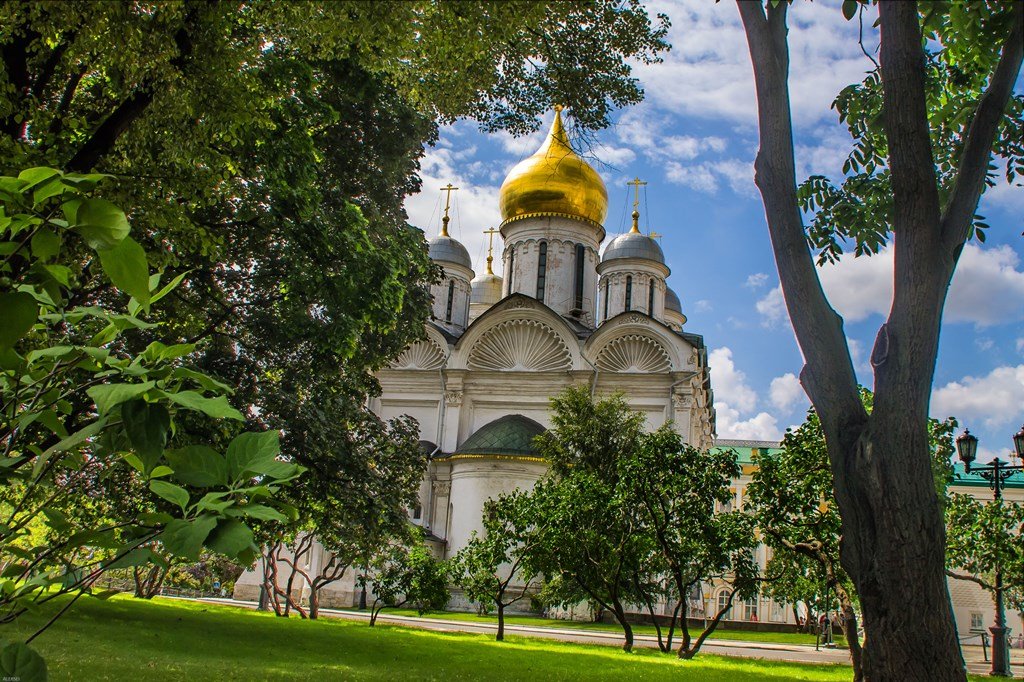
(995, 473)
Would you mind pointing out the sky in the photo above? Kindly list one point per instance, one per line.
(694, 139)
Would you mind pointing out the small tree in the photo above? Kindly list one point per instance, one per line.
(590, 538)
(486, 567)
(676, 487)
(983, 538)
(408, 575)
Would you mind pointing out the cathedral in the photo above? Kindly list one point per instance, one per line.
(565, 313)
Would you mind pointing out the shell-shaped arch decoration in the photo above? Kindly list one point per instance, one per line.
(422, 354)
(520, 345)
(634, 353)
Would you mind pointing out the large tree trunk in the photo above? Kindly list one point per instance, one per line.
(893, 534)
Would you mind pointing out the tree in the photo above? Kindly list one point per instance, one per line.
(947, 73)
(675, 488)
(590, 540)
(791, 496)
(984, 538)
(353, 501)
(81, 414)
(266, 150)
(408, 575)
(487, 566)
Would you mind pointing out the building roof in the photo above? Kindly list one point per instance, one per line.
(672, 301)
(633, 245)
(447, 250)
(509, 435)
(554, 181)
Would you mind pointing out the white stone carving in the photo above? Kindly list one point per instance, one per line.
(453, 398)
(520, 345)
(518, 304)
(636, 318)
(634, 353)
(423, 354)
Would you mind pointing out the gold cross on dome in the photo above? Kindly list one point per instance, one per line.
(636, 182)
(490, 248)
(655, 235)
(447, 203)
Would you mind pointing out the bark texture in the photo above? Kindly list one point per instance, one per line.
(893, 532)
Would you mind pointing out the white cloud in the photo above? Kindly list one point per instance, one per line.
(1004, 196)
(704, 305)
(987, 289)
(772, 307)
(729, 383)
(995, 399)
(761, 426)
(699, 177)
(756, 280)
(708, 72)
(786, 391)
(984, 343)
(1020, 345)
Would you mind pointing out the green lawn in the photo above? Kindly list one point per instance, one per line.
(126, 639)
(720, 633)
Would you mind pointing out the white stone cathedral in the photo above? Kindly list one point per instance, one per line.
(498, 349)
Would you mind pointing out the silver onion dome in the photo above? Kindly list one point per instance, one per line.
(633, 245)
(448, 250)
(672, 301)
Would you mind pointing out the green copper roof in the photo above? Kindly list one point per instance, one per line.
(509, 435)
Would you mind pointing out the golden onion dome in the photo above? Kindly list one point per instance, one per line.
(554, 181)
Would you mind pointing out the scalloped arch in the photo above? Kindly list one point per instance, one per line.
(520, 345)
(634, 353)
(422, 354)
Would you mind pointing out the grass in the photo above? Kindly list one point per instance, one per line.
(124, 639)
(534, 621)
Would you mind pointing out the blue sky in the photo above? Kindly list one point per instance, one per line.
(693, 139)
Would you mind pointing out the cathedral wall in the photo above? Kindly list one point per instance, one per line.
(476, 480)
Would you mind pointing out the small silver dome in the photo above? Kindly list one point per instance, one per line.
(446, 249)
(633, 245)
(486, 289)
(672, 301)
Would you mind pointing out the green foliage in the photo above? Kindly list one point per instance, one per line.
(489, 563)
(963, 43)
(675, 488)
(629, 517)
(985, 537)
(87, 483)
(791, 498)
(408, 574)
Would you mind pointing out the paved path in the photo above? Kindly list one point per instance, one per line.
(799, 653)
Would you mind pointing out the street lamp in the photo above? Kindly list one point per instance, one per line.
(995, 473)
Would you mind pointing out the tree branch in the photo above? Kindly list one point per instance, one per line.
(828, 376)
(970, 181)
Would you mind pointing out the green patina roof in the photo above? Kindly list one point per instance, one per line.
(509, 435)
